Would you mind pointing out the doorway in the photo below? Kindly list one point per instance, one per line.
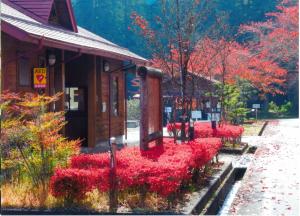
(76, 99)
(76, 113)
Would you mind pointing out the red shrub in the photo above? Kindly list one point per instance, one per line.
(204, 129)
(87, 161)
(204, 150)
(176, 126)
(162, 168)
(75, 183)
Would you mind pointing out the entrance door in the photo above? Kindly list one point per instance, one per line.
(76, 113)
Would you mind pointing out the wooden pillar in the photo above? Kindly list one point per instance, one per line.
(51, 81)
(62, 86)
(62, 82)
(146, 73)
(144, 124)
(92, 95)
(51, 86)
(125, 104)
(160, 126)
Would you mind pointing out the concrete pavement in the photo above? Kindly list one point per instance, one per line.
(271, 183)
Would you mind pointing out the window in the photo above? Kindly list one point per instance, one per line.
(53, 18)
(115, 96)
(24, 72)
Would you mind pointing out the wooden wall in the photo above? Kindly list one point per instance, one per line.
(88, 71)
(90, 65)
(10, 48)
(117, 122)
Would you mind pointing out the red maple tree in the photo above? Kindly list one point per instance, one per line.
(174, 42)
(277, 38)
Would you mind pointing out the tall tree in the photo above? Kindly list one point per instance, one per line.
(174, 40)
(229, 61)
(276, 40)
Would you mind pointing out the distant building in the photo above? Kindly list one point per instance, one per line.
(200, 101)
(197, 88)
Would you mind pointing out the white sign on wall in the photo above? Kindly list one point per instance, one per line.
(196, 114)
(168, 109)
(256, 106)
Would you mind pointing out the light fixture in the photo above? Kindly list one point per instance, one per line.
(51, 59)
(106, 66)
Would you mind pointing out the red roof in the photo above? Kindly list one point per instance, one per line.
(40, 8)
(16, 22)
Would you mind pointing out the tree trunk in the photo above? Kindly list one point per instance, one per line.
(183, 95)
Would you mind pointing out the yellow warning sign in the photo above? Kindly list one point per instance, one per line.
(39, 77)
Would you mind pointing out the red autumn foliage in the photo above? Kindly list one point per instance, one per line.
(204, 129)
(75, 183)
(162, 169)
(227, 60)
(204, 149)
(278, 36)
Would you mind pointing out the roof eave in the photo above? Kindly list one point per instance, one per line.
(14, 31)
(31, 38)
(71, 13)
(72, 47)
(24, 11)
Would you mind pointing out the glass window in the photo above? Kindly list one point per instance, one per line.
(115, 96)
(24, 72)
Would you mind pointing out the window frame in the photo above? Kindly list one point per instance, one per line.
(115, 96)
(29, 72)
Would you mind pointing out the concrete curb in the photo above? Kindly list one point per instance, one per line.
(205, 196)
(217, 201)
(239, 151)
(263, 128)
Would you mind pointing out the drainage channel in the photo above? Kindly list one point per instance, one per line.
(223, 198)
(224, 209)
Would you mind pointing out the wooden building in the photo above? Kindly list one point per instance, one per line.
(44, 51)
(197, 88)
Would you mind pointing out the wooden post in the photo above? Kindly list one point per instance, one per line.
(146, 73)
(62, 86)
(125, 105)
(160, 127)
(144, 124)
(113, 197)
(92, 94)
(63, 81)
(256, 114)
(51, 86)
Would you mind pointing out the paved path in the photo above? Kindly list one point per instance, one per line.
(271, 183)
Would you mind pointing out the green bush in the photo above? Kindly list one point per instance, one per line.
(283, 109)
(233, 101)
(286, 108)
(133, 109)
(273, 108)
